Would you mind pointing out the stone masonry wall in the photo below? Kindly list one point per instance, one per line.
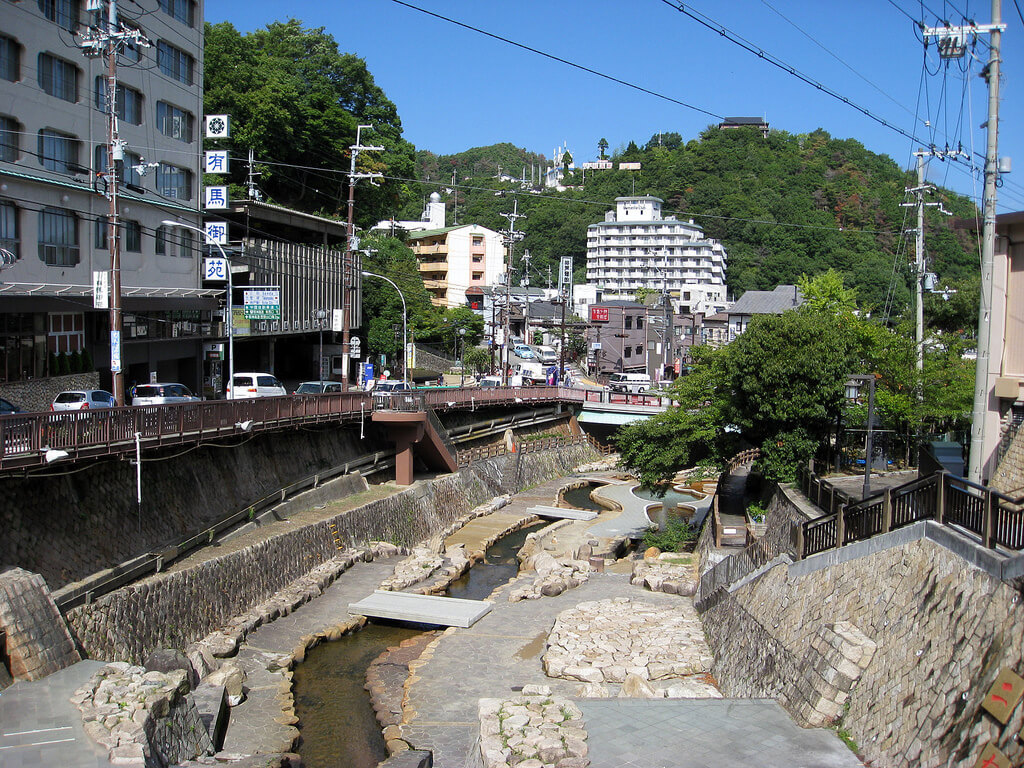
(172, 610)
(942, 631)
(38, 643)
(37, 394)
(1009, 475)
(66, 526)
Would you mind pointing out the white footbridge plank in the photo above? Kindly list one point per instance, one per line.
(422, 609)
(563, 513)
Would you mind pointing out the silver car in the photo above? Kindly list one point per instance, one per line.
(82, 399)
(161, 394)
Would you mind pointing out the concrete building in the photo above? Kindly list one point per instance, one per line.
(758, 123)
(53, 206)
(635, 247)
(617, 338)
(432, 218)
(456, 259)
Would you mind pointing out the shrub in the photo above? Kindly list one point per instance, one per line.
(675, 537)
(756, 513)
(75, 362)
(63, 365)
(87, 365)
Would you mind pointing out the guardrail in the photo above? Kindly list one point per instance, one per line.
(995, 518)
(624, 398)
(25, 438)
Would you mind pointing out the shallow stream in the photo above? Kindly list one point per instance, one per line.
(338, 726)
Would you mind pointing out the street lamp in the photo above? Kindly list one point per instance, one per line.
(320, 315)
(229, 310)
(405, 314)
(462, 364)
(853, 386)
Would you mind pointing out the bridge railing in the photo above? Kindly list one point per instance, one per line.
(996, 519)
(625, 398)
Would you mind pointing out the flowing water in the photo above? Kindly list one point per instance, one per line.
(339, 728)
(668, 502)
(580, 498)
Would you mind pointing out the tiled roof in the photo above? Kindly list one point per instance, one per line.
(767, 302)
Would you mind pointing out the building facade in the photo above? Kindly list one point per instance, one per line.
(635, 247)
(617, 338)
(455, 259)
(53, 190)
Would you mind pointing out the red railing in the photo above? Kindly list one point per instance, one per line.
(25, 438)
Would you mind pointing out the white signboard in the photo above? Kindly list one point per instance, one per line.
(565, 277)
(101, 290)
(355, 347)
(216, 232)
(215, 269)
(218, 127)
(215, 197)
(115, 351)
(215, 161)
(336, 320)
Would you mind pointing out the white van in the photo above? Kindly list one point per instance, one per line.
(633, 383)
(547, 355)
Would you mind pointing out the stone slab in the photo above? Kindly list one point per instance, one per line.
(422, 609)
(562, 513)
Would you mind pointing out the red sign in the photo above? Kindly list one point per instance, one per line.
(474, 305)
(599, 314)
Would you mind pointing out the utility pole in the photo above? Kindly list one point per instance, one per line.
(952, 43)
(669, 329)
(109, 42)
(349, 271)
(511, 238)
(526, 306)
(920, 264)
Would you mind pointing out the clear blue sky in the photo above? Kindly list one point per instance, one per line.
(457, 89)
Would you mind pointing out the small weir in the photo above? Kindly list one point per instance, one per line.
(337, 722)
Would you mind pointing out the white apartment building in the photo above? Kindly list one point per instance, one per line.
(455, 259)
(634, 247)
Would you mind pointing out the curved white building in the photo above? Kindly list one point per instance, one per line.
(634, 247)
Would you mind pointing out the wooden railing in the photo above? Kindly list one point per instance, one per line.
(996, 519)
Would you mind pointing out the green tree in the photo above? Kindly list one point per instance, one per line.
(602, 146)
(296, 100)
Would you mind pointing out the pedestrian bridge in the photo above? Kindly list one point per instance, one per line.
(29, 440)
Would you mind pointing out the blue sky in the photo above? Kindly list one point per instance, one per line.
(457, 89)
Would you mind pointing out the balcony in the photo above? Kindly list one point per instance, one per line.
(440, 267)
(422, 250)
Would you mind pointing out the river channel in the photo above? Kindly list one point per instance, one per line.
(338, 726)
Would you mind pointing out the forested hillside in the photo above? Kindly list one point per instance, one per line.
(785, 205)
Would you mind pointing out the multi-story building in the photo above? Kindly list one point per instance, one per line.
(455, 259)
(634, 247)
(617, 338)
(53, 203)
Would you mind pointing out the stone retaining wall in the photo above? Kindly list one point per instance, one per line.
(171, 610)
(942, 631)
(37, 394)
(69, 526)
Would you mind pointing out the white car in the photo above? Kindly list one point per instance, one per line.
(248, 385)
(161, 394)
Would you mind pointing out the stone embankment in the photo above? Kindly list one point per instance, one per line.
(550, 577)
(667, 572)
(535, 730)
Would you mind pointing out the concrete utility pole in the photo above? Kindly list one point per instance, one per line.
(669, 329)
(952, 43)
(920, 264)
(526, 306)
(348, 276)
(109, 42)
(511, 238)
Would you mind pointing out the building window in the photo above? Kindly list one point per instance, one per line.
(132, 236)
(130, 50)
(58, 77)
(102, 225)
(629, 352)
(178, 243)
(182, 10)
(9, 129)
(9, 240)
(173, 122)
(10, 58)
(639, 349)
(58, 151)
(58, 237)
(67, 332)
(128, 168)
(172, 181)
(62, 12)
(628, 323)
(174, 62)
(129, 101)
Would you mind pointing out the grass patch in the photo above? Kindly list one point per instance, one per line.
(675, 537)
(847, 739)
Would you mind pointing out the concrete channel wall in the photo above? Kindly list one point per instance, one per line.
(171, 610)
(927, 607)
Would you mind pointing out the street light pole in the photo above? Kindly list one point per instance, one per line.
(229, 309)
(405, 316)
(320, 315)
(462, 359)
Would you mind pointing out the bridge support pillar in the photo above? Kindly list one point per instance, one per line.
(404, 429)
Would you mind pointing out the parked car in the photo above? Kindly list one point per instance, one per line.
(6, 407)
(161, 394)
(490, 381)
(82, 399)
(632, 383)
(524, 351)
(547, 355)
(391, 385)
(317, 387)
(248, 385)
